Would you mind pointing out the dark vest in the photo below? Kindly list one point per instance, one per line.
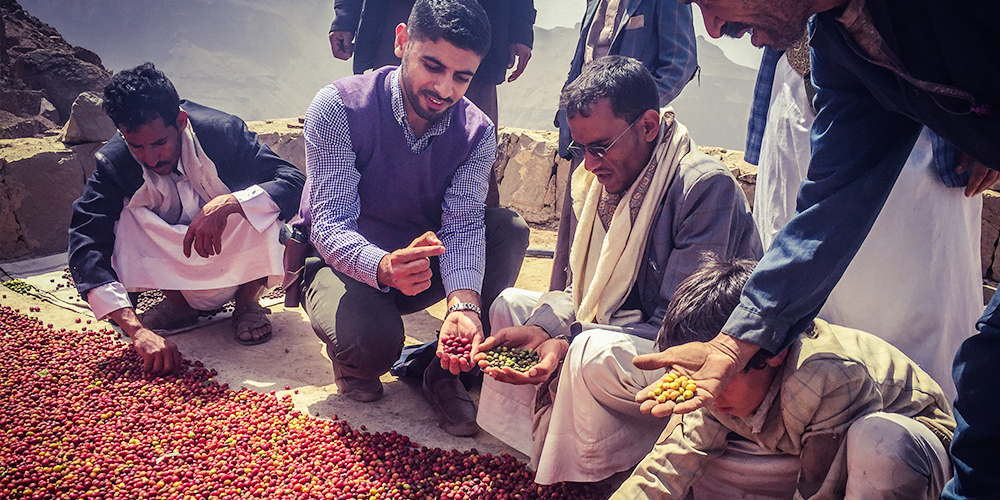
(401, 192)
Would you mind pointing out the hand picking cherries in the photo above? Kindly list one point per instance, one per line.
(519, 359)
(673, 387)
(457, 346)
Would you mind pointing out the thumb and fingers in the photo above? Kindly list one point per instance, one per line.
(522, 53)
(981, 177)
(341, 44)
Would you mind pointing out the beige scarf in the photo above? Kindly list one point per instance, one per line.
(159, 193)
(605, 266)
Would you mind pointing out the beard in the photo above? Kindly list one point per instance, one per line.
(413, 97)
(784, 31)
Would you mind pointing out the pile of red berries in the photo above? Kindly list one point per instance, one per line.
(457, 346)
(79, 419)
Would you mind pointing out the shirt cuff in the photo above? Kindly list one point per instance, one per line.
(463, 279)
(369, 258)
(107, 298)
(749, 326)
(259, 208)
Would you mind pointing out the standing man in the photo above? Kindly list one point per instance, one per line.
(164, 190)
(882, 70)
(658, 33)
(398, 163)
(879, 292)
(367, 30)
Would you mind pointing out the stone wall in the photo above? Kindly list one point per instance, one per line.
(41, 177)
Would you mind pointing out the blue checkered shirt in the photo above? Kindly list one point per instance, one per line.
(761, 103)
(335, 204)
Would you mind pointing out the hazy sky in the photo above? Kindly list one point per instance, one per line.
(553, 13)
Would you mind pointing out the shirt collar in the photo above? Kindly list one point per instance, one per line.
(399, 110)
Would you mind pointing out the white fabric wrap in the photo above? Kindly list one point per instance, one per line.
(148, 251)
(606, 266)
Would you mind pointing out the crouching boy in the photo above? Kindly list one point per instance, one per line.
(840, 413)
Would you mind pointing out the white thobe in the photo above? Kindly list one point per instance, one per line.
(916, 281)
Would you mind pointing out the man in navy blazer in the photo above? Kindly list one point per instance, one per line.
(155, 215)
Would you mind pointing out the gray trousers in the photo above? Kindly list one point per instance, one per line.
(362, 327)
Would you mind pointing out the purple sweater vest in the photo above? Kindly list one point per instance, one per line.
(401, 192)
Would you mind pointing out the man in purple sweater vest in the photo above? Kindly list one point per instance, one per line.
(397, 165)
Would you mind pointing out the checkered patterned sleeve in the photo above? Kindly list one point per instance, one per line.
(333, 191)
(945, 159)
(463, 228)
(761, 103)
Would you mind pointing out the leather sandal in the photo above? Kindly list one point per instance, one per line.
(248, 319)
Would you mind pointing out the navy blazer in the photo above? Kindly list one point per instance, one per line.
(240, 160)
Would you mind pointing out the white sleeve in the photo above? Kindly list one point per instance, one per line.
(107, 299)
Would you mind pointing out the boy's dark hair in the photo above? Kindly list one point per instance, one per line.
(622, 80)
(139, 95)
(703, 302)
(463, 23)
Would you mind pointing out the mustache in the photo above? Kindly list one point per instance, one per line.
(431, 93)
(160, 165)
(734, 29)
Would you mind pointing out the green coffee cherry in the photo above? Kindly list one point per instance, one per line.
(512, 357)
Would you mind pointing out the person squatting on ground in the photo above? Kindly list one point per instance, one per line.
(397, 164)
(155, 214)
(649, 203)
(839, 413)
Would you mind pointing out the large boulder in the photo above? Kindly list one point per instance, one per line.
(284, 136)
(39, 180)
(25, 113)
(61, 75)
(528, 170)
(13, 126)
(990, 234)
(87, 121)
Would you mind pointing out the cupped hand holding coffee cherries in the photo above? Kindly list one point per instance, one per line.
(521, 355)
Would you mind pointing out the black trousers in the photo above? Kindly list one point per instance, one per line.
(363, 327)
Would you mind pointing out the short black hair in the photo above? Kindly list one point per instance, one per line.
(463, 23)
(140, 95)
(622, 80)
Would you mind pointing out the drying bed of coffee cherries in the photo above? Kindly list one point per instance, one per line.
(79, 420)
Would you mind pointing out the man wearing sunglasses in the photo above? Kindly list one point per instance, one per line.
(649, 204)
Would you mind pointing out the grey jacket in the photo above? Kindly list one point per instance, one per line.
(704, 210)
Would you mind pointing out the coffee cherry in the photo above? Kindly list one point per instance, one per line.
(673, 387)
(512, 357)
(457, 346)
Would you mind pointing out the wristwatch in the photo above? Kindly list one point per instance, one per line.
(465, 306)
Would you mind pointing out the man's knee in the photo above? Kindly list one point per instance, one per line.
(506, 226)
(603, 361)
(512, 307)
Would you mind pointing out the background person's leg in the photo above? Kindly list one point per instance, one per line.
(506, 243)
(891, 456)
